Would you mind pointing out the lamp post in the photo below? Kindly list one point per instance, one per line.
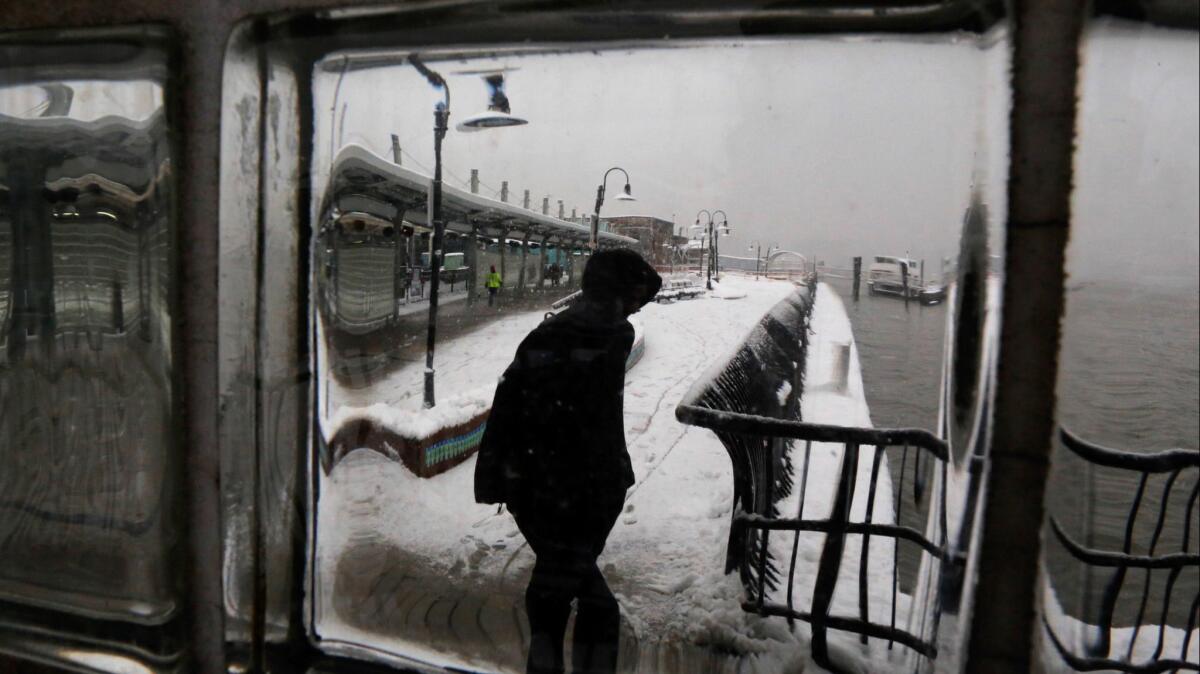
(713, 232)
(625, 195)
(497, 116)
(705, 229)
(718, 232)
(756, 246)
(767, 259)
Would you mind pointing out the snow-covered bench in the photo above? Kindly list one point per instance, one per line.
(675, 289)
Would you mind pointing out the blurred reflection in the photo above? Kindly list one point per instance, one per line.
(1128, 378)
(88, 501)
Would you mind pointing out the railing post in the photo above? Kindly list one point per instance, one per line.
(831, 555)
(865, 551)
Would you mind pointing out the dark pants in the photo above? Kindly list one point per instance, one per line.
(492, 296)
(567, 545)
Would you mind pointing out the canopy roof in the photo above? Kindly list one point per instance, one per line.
(365, 178)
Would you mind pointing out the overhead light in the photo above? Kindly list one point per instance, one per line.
(627, 195)
(489, 120)
(498, 114)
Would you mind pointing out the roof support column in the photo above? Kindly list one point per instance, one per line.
(503, 256)
(541, 271)
(571, 250)
(524, 257)
(399, 269)
(472, 263)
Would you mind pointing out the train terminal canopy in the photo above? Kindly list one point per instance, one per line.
(380, 188)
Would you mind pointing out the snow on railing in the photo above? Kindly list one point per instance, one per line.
(734, 402)
(837, 527)
(750, 382)
(1098, 654)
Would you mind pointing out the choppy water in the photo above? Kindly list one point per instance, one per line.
(1129, 378)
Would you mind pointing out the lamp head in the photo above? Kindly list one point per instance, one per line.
(499, 113)
(626, 195)
(489, 120)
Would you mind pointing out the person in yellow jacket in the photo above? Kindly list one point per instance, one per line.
(493, 284)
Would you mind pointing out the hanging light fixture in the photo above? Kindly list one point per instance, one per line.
(498, 114)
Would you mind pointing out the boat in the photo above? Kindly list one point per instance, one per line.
(933, 293)
(902, 277)
(896, 276)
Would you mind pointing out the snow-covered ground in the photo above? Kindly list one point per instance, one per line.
(382, 531)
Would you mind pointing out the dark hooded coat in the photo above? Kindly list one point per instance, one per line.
(555, 436)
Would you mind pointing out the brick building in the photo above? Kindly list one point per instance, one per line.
(656, 235)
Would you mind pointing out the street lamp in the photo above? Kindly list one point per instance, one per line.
(626, 195)
(496, 116)
(767, 259)
(707, 227)
(759, 262)
(723, 230)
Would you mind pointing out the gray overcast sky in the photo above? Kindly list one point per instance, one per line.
(829, 146)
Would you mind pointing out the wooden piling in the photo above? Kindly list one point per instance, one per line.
(857, 276)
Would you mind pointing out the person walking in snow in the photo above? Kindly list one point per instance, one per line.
(554, 452)
(493, 284)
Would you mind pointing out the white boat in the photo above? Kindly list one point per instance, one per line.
(889, 275)
(901, 277)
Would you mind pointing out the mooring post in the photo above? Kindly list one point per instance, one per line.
(904, 280)
(857, 275)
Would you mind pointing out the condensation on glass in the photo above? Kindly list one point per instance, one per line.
(1123, 490)
(90, 497)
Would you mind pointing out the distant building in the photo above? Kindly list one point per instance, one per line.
(656, 235)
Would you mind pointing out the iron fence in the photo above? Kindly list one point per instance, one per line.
(1098, 653)
(739, 402)
(760, 572)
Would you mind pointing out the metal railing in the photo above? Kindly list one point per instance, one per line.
(1098, 654)
(760, 572)
(738, 402)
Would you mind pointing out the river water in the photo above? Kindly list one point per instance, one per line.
(1129, 379)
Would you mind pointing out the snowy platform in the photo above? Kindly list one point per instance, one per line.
(414, 569)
